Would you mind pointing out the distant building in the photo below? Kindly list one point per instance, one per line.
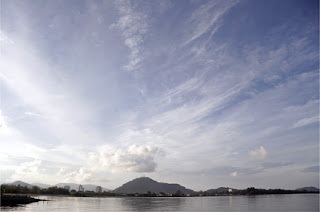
(98, 189)
(81, 188)
(230, 190)
(67, 187)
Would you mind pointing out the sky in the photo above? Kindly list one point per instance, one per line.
(200, 93)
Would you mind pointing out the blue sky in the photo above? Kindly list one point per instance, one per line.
(202, 93)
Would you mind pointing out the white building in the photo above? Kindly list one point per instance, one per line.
(81, 188)
(98, 189)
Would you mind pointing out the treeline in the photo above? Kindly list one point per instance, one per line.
(92, 194)
(18, 189)
(254, 191)
(178, 193)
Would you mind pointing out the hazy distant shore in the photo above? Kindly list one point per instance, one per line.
(144, 187)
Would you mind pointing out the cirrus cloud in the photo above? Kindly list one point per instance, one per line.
(306, 121)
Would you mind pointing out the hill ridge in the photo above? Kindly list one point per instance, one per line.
(146, 184)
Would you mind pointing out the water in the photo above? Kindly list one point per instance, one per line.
(285, 202)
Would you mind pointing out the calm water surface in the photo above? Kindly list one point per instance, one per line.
(290, 202)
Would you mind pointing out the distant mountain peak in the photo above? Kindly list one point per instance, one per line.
(21, 183)
(309, 188)
(143, 178)
(146, 184)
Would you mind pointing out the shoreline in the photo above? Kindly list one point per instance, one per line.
(142, 195)
(18, 199)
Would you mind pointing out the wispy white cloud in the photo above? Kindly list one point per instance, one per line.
(3, 125)
(44, 97)
(207, 18)
(305, 107)
(4, 39)
(133, 24)
(306, 121)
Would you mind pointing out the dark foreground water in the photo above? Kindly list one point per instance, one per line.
(285, 202)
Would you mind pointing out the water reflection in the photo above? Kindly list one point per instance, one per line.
(153, 204)
(230, 202)
(252, 203)
(12, 208)
(290, 202)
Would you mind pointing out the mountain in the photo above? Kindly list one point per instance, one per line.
(21, 183)
(87, 187)
(41, 185)
(310, 188)
(145, 184)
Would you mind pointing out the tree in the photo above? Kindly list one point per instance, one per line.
(35, 190)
